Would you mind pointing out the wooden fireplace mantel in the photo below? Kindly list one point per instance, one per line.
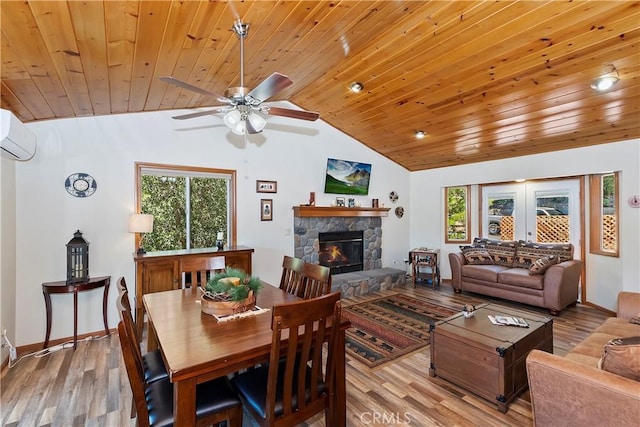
(328, 211)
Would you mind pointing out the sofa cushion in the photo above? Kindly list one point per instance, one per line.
(589, 350)
(477, 255)
(503, 252)
(622, 357)
(529, 252)
(521, 277)
(487, 273)
(541, 265)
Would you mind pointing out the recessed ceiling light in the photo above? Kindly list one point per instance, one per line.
(420, 134)
(604, 82)
(356, 87)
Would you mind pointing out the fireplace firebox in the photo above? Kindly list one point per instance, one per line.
(341, 251)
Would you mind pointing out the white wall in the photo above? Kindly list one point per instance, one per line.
(291, 152)
(605, 276)
(7, 251)
(294, 154)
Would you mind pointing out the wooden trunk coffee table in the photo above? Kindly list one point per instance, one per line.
(487, 359)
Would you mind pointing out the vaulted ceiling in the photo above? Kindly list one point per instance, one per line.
(484, 80)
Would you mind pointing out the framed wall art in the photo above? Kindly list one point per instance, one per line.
(266, 209)
(266, 186)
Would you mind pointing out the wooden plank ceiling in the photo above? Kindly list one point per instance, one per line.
(485, 80)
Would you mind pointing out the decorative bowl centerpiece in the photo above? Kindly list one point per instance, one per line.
(229, 292)
(468, 310)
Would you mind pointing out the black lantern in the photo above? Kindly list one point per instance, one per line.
(77, 259)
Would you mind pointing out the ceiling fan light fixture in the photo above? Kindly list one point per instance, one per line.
(238, 129)
(232, 118)
(356, 87)
(257, 121)
(603, 83)
(420, 134)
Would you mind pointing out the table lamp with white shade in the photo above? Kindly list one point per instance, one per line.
(140, 223)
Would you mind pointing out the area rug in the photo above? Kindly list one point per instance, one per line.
(389, 327)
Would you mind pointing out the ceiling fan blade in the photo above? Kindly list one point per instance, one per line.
(294, 114)
(201, 113)
(196, 89)
(269, 87)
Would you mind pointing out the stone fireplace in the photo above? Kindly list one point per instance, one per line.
(310, 222)
(307, 237)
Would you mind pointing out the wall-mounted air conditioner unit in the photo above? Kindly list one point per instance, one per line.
(16, 141)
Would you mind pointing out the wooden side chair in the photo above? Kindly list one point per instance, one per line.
(215, 400)
(316, 281)
(291, 274)
(197, 271)
(287, 391)
(152, 364)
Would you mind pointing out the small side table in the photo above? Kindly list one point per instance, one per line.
(428, 259)
(62, 287)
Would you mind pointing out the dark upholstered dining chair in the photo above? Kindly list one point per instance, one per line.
(286, 392)
(316, 281)
(291, 274)
(304, 279)
(197, 271)
(152, 363)
(215, 400)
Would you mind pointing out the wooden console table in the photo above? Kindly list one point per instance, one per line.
(162, 271)
(62, 287)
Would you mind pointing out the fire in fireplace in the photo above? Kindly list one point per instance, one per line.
(341, 251)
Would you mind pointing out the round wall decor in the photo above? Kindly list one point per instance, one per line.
(80, 184)
(399, 211)
(393, 196)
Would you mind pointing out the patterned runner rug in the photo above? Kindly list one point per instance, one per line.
(389, 327)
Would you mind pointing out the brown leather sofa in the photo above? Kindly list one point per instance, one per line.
(556, 289)
(572, 391)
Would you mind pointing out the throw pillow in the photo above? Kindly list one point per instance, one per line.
(529, 252)
(622, 357)
(476, 255)
(540, 265)
(503, 252)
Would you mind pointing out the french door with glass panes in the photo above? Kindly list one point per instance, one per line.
(543, 211)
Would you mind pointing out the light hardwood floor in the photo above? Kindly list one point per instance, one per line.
(89, 386)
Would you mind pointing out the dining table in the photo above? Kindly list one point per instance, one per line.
(197, 347)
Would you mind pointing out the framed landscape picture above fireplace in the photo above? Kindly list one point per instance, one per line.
(347, 177)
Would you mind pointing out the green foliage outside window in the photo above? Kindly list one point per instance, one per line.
(208, 210)
(166, 199)
(457, 214)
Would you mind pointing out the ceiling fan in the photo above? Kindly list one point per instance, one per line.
(242, 107)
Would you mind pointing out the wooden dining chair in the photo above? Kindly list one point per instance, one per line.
(286, 392)
(197, 271)
(152, 364)
(291, 274)
(316, 281)
(215, 400)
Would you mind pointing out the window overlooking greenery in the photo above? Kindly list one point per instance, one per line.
(457, 215)
(190, 206)
(603, 208)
